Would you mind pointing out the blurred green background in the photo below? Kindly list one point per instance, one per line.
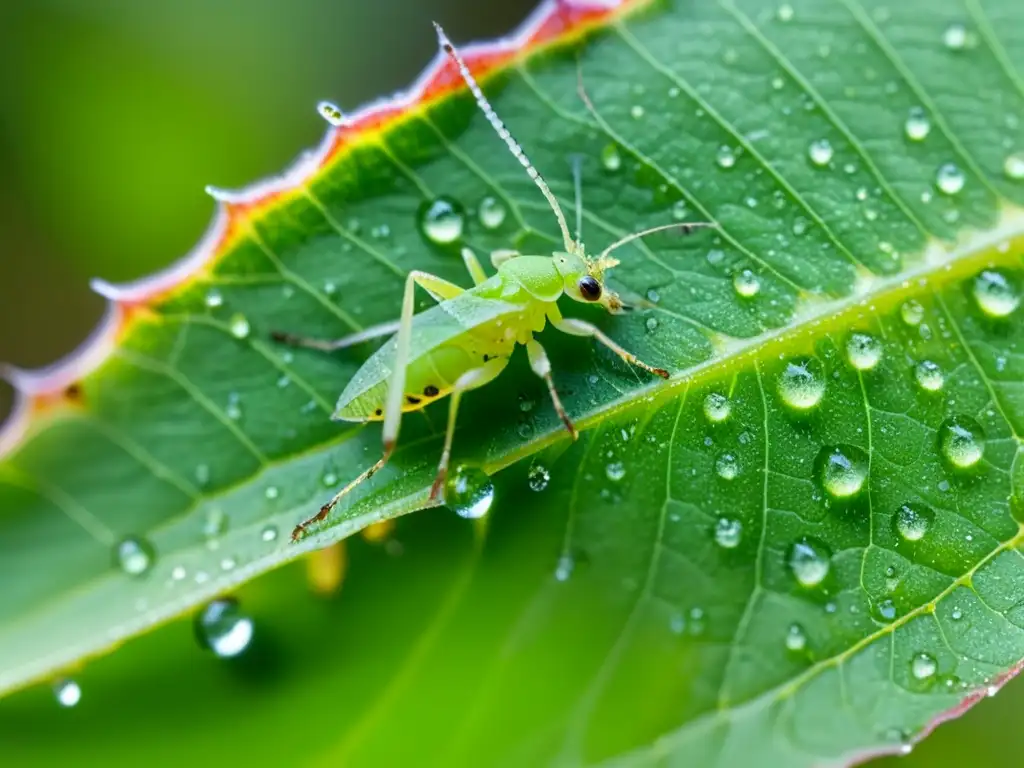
(115, 114)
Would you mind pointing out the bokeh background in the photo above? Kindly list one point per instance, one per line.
(114, 114)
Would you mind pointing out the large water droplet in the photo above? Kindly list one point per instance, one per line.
(727, 466)
(796, 638)
(1013, 166)
(442, 220)
(746, 283)
(615, 471)
(239, 326)
(802, 383)
(68, 693)
(949, 179)
(611, 160)
(911, 521)
(726, 158)
(134, 556)
(810, 561)
(929, 376)
(223, 628)
(962, 441)
(469, 492)
(538, 477)
(912, 312)
(842, 470)
(728, 533)
(923, 666)
(863, 351)
(491, 213)
(885, 610)
(717, 407)
(917, 126)
(820, 152)
(995, 293)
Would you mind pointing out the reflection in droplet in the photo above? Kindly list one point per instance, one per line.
(996, 294)
(442, 220)
(962, 441)
(717, 407)
(491, 213)
(911, 521)
(223, 628)
(796, 638)
(917, 126)
(923, 666)
(728, 533)
(727, 466)
(726, 157)
(810, 561)
(929, 376)
(134, 556)
(67, 692)
(842, 470)
(469, 492)
(863, 351)
(912, 312)
(746, 283)
(802, 383)
(820, 151)
(950, 179)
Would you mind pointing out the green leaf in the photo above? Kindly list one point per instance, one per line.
(800, 550)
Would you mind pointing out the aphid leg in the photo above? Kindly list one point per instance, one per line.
(325, 510)
(542, 367)
(576, 327)
(469, 380)
(473, 266)
(330, 345)
(502, 255)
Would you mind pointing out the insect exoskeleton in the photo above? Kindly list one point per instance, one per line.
(466, 339)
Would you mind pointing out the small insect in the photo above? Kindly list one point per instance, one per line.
(467, 338)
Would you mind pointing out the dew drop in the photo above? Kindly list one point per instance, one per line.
(233, 410)
(962, 441)
(651, 324)
(912, 312)
(1013, 166)
(215, 524)
(679, 210)
(615, 471)
(636, 111)
(491, 213)
(929, 376)
(746, 283)
(917, 125)
(271, 492)
(565, 567)
(653, 296)
(269, 533)
(538, 477)
(820, 152)
(956, 614)
(239, 326)
(810, 561)
(726, 158)
(469, 492)
(885, 610)
(727, 466)
(912, 521)
(785, 12)
(949, 179)
(923, 666)
(67, 692)
(863, 351)
(329, 478)
(202, 474)
(331, 113)
(996, 295)
(214, 298)
(796, 638)
(442, 220)
(955, 37)
(728, 533)
(717, 407)
(223, 628)
(842, 471)
(611, 160)
(802, 383)
(134, 556)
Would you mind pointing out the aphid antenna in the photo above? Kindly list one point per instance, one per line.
(503, 132)
(576, 160)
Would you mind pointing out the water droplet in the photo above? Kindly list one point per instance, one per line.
(912, 312)
(134, 556)
(956, 614)
(995, 293)
(726, 157)
(223, 628)
(538, 477)
(923, 666)
(269, 533)
(228, 563)
(331, 113)
(962, 441)
(469, 492)
(68, 693)
(615, 471)
(565, 567)
(810, 561)
(653, 296)
(911, 521)
(820, 152)
(271, 492)
(717, 407)
(746, 283)
(727, 466)
(636, 111)
(796, 638)
(949, 179)
(202, 474)
(929, 376)
(802, 383)
(651, 324)
(442, 220)
(785, 12)
(239, 326)
(491, 213)
(329, 478)
(214, 298)
(728, 533)
(611, 160)
(1013, 166)
(679, 210)
(863, 351)
(215, 524)
(842, 470)
(955, 37)
(885, 610)
(917, 125)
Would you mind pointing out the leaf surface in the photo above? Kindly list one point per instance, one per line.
(801, 549)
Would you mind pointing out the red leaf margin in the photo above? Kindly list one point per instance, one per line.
(45, 392)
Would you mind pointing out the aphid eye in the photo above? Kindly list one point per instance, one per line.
(590, 289)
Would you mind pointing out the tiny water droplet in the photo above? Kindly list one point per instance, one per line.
(785, 12)
(442, 220)
(491, 213)
(1013, 166)
(726, 158)
(214, 298)
(929, 376)
(331, 113)
(67, 692)
(912, 312)
(842, 470)
(820, 151)
(565, 567)
(538, 477)
(611, 160)
(911, 521)
(269, 533)
(949, 179)
(228, 563)
(996, 294)
(717, 407)
(679, 210)
(863, 351)
(636, 111)
(215, 524)
(727, 466)
(134, 555)
(746, 283)
(923, 666)
(917, 125)
(653, 296)
(239, 326)
(202, 474)
(796, 638)
(728, 533)
(651, 324)
(178, 573)
(955, 37)
(615, 471)
(271, 492)
(962, 441)
(223, 628)
(329, 478)
(802, 383)
(810, 561)
(469, 492)
(956, 614)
